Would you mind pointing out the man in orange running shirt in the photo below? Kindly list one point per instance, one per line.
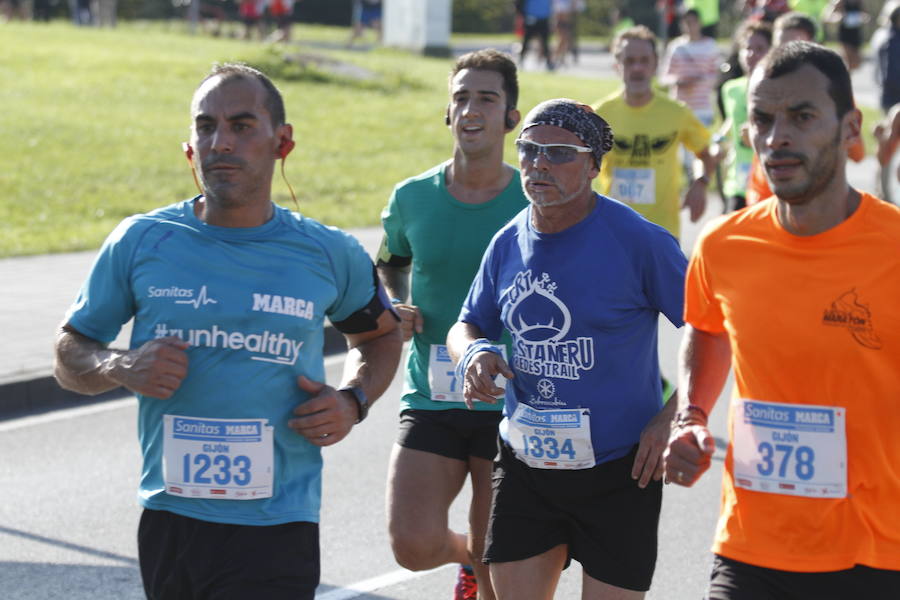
(799, 295)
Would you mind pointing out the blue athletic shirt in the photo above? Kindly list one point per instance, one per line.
(583, 306)
(252, 304)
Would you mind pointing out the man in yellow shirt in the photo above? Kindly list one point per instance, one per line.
(643, 169)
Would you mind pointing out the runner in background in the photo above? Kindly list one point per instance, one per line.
(849, 18)
(709, 15)
(643, 169)
(754, 41)
(691, 67)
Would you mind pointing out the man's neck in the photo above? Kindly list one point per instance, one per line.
(638, 99)
(475, 180)
(244, 216)
(553, 219)
(830, 208)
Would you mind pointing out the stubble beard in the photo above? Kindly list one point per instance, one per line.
(561, 200)
(819, 176)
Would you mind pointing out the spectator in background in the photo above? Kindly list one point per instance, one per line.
(563, 26)
(106, 12)
(691, 66)
(849, 16)
(282, 12)
(536, 19)
(366, 15)
(12, 10)
(888, 68)
(41, 10)
(251, 14)
(709, 15)
(83, 15)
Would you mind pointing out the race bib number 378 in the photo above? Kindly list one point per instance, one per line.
(793, 449)
(226, 459)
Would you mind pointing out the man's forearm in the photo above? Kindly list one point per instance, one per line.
(395, 280)
(704, 361)
(83, 364)
(372, 364)
(459, 337)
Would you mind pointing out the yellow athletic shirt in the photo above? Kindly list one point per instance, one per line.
(643, 169)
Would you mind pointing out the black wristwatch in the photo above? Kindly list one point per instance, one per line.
(362, 403)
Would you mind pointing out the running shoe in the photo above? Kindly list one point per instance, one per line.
(466, 587)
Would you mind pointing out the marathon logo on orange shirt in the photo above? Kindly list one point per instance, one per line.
(847, 311)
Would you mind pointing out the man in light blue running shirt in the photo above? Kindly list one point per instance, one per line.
(229, 293)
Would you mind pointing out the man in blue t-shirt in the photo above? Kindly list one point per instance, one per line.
(229, 294)
(579, 280)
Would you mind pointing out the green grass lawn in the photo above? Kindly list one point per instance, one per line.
(93, 120)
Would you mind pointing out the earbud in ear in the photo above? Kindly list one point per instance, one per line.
(188, 151)
(285, 148)
(510, 122)
(447, 116)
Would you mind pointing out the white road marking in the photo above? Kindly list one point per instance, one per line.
(101, 407)
(66, 413)
(376, 583)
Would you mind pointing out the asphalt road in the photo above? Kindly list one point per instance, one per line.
(68, 515)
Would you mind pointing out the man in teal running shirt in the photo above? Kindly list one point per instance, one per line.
(437, 225)
(229, 293)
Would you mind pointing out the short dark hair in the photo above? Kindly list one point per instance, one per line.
(638, 32)
(273, 101)
(786, 59)
(691, 12)
(490, 59)
(751, 28)
(796, 20)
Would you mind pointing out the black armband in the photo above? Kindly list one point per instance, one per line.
(366, 318)
(398, 262)
(391, 260)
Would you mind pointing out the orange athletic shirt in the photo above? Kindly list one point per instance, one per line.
(758, 186)
(811, 320)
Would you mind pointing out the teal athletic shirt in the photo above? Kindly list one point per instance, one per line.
(446, 239)
(251, 302)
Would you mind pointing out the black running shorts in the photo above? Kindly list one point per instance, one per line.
(607, 521)
(182, 557)
(454, 433)
(735, 580)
